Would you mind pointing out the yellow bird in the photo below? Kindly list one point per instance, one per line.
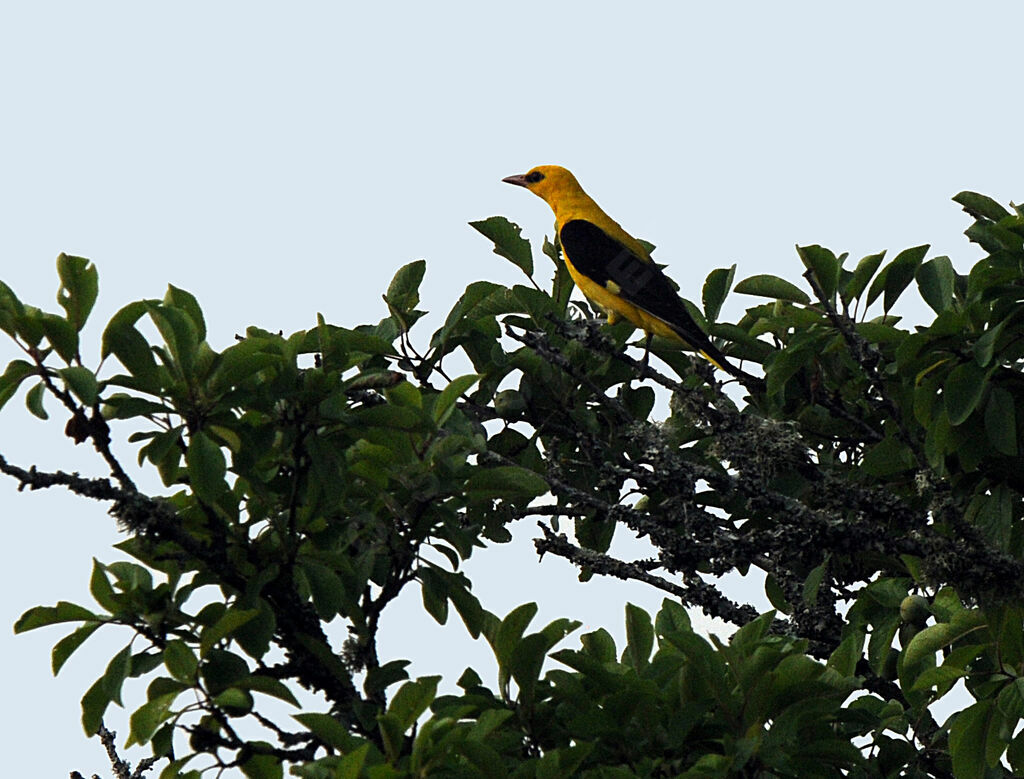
(613, 269)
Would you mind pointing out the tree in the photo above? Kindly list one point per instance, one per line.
(874, 477)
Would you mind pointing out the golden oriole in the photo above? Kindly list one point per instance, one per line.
(613, 269)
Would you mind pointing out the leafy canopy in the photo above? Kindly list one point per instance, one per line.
(874, 479)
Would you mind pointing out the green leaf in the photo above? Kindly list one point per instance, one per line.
(434, 591)
(64, 648)
(102, 590)
(716, 287)
(446, 400)
(17, 371)
(768, 286)
(327, 589)
(508, 241)
(79, 288)
(254, 636)
(412, 699)
(776, 596)
(232, 619)
(263, 766)
(930, 640)
(993, 515)
(466, 603)
(61, 334)
(880, 641)
(751, 633)
(935, 279)
(1001, 421)
(11, 311)
(403, 293)
(463, 317)
(351, 765)
(30, 325)
(148, 717)
(995, 238)
(1015, 754)
(639, 637)
(981, 206)
(985, 346)
(94, 704)
(812, 584)
(862, 274)
(963, 390)
(82, 382)
(525, 664)
(1011, 700)
(179, 333)
(181, 661)
(383, 676)
(186, 301)
(601, 645)
(504, 638)
(968, 739)
(506, 481)
(126, 316)
(118, 669)
(328, 729)
(227, 436)
(173, 770)
(528, 655)
(122, 339)
(846, 656)
(235, 701)
(34, 401)
(889, 456)
(671, 618)
(223, 669)
(40, 616)
(897, 275)
(206, 467)
(269, 686)
(824, 265)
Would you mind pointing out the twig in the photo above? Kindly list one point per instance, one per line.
(695, 592)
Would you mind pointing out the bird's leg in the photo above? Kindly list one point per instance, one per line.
(647, 353)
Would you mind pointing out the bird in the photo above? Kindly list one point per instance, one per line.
(614, 270)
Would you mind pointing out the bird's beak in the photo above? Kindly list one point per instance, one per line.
(519, 181)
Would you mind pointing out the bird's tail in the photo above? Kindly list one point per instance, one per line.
(710, 353)
(748, 380)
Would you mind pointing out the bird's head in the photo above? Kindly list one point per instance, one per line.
(547, 181)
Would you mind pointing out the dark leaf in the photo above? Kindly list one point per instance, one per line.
(404, 291)
(82, 382)
(935, 280)
(768, 286)
(1001, 421)
(981, 206)
(17, 371)
(206, 467)
(79, 288)
(715, 290)
(862, 274)
(963, 390)
(186, 301)
(824, 265)
(508, 241)
(34, 401)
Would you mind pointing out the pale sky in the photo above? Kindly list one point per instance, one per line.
(283, 160)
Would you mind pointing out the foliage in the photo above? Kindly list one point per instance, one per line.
(874, 477)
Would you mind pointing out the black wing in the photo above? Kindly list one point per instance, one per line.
(601, 258)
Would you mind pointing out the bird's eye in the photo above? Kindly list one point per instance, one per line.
(534, 177)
